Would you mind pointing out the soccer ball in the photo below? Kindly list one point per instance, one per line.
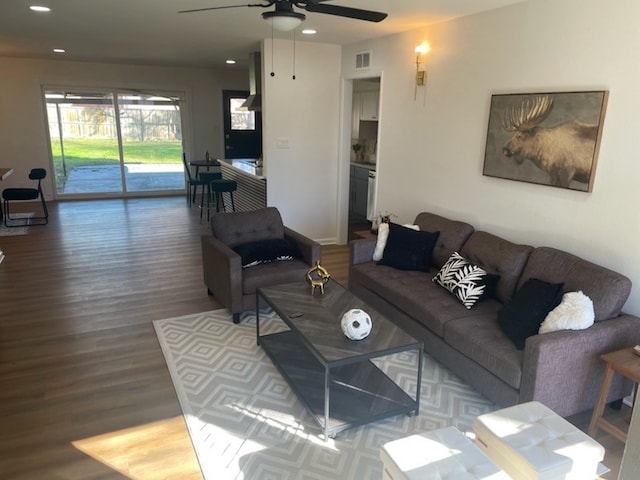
(356, 324)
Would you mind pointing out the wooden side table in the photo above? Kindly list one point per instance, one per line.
(365, 234)
(627, 364)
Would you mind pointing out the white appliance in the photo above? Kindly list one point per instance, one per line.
(371, 196)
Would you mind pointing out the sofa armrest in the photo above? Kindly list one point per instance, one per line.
(563, 369)
(310, 249)
(222, 269)
(361, 251)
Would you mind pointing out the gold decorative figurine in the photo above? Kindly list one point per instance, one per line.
(321, 277)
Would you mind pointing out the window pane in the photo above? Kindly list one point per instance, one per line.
(84, 142)
(151, 142)
(241, 118)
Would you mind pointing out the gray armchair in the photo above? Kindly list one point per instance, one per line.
(224, 276)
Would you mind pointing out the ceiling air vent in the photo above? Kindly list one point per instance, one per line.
(363, 60)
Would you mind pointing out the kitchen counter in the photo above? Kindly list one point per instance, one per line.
(252, 185)
(245, 165)
(370, 166)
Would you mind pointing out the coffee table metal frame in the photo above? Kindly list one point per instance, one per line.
(333, 376)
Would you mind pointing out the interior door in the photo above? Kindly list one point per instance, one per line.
(242, 127)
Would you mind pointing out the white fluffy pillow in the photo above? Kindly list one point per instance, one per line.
(575, 312)
(383, 235)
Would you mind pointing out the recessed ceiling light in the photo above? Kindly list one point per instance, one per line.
(39, 8)
(231, 61)
(309, 31)
(59, 50)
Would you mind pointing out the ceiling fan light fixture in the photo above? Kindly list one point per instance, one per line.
(283, 21)
(39, 8)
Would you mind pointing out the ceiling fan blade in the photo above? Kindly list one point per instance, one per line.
(264, 5)
(358, 14)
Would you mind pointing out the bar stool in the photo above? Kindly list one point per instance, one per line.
(219, 187)
(207, 178)
(193, 182)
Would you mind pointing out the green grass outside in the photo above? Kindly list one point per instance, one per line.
(86, 152)
(89, 152)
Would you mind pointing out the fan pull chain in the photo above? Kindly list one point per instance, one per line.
(294, 54)
(272, 72)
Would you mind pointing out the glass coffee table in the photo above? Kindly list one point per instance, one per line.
(332, 375)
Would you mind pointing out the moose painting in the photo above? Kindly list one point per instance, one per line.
(546, 138)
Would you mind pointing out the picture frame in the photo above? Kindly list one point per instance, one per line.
(549, 138)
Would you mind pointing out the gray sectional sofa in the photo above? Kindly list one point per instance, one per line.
(561, 369)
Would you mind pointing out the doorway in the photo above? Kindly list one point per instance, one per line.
(242, 127)
(108, 143)
(363, 175)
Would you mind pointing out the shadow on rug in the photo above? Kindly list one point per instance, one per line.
(246, 423)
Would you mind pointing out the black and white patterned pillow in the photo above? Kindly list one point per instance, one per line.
(467, 281)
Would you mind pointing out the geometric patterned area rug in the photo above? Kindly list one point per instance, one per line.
(246, 423)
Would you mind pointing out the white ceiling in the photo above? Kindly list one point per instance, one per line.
(153, 32)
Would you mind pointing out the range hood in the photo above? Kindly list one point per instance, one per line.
(254, 100)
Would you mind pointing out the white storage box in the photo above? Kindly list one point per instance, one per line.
(437, 455)
(530, 442)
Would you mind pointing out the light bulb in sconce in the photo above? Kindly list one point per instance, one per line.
(422, 49)
(421, 74)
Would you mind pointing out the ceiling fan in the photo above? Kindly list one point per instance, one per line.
(285, 18)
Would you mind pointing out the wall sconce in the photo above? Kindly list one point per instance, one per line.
(421, 74)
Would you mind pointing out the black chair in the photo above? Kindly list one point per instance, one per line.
(207, 179)
(26, 194)
(218, 187)
(194, 183)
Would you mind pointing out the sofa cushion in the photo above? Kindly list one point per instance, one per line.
(467, 281)
(408, 249)
(237, 228)
(521, 317)
(479, 338)
(608, 290)
(499, 256)
(452, 236)
(416, 295)
(273, 273)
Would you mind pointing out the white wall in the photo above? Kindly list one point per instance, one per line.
(22, 113)
(431, 150)
(304, 113)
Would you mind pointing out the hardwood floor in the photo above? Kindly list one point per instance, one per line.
(84, 389)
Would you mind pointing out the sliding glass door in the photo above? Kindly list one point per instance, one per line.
(113, 143)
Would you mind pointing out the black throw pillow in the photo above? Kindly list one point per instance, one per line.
(522, 316)
(408, 249)
(263, 251)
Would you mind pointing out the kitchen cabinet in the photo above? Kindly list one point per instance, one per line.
(369, 103)
(365, 107)
(358, 192)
